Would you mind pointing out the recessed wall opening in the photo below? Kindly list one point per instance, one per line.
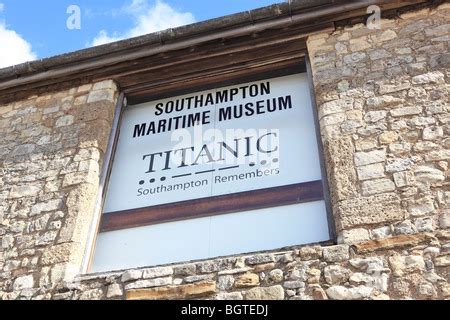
(231, 167)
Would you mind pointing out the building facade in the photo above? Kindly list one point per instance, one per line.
(381, 105)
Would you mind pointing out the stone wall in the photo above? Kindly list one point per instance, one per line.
(383, 105)
(51, 150)
(383, 100)
(408, 266)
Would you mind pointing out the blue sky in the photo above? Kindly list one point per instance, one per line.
(37, 29)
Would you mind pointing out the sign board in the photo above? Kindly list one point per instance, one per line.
(227, 140)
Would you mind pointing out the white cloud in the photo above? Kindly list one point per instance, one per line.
(15, 49)
(147, 19)
(2, 6)
(103, 38)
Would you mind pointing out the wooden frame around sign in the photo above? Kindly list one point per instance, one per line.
(230, 203)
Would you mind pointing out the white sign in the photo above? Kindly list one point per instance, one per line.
(239, 138)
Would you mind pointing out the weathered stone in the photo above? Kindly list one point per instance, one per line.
(263, 267)
(403, 179)
(428, 174)
(431, 77)
(432, 133)
(383, 102)
(442, 261)
(354, 236)
(377, 186)
(64, 121)
(446, 291)
(350, 126)
(437, 31)
(365, 144)
(208, 266)
(385, 36)
(87, 154)
(438, 155)
(57, 254)
(355, 58)
(359, 278)
(7, 241)
(198, 278)
(332, 119)
(359, 44)
(247, 280)
(426, 290)
(24, 282)
(399, 164)
(106, 84)
(398, 124)
(444, 219)
(424, 225)
(80, 177)
(371, 171)
(391, 243)
(102, 95)
(131, 275)
(189, 291)
(319, 294)
(388, 137)
(369, 210)
(185, 270)
(375, 116)
(405, 227)
(342, 167)
(343, 293)
(336, 274)
(310, 253)
(93, 294)
(382, 232)
(260, 259)
(51, 205)
(84, 88)
(379, 54)
(336, 253)
(237, 271)
(421, 207)
(157, 272)
(390, 88)
(294, 284)
(114, 290)
(158, 282)
(22, 191)
(276, 275)
(422, 146)
(46, 238)
(225, 282)
(265, 293)
(406, 111)
(406, 264)
(366, 158)
(422, 121)
(337, 106)
(22, 150)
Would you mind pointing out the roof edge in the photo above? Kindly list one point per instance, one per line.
(163, 36)
(274, 16)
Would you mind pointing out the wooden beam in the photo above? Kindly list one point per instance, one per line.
(89, 66)
(142, 94)
(251, 200)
